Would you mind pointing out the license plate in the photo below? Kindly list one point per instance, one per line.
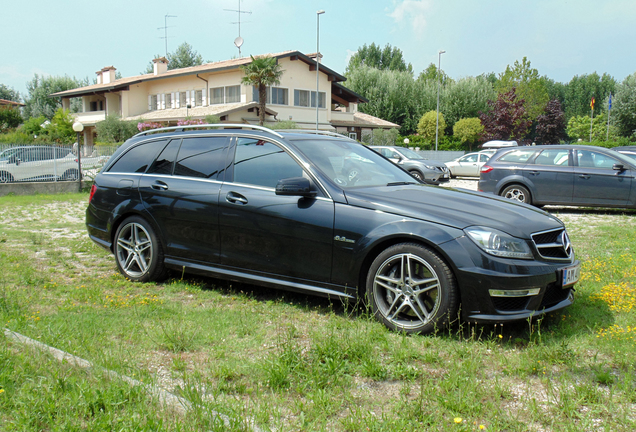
(445, 175)
(571, 275)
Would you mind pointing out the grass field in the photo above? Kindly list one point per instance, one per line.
(270, 360)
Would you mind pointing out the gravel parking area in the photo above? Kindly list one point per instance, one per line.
(463, 182)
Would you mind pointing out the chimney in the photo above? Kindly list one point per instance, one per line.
(160, 65)
(99, 76)
(108, 75)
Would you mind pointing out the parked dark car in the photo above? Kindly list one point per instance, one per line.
(577, 175)
(427, 170)
(281, 210)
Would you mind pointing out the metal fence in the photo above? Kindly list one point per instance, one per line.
(441, 156)
(37, 163)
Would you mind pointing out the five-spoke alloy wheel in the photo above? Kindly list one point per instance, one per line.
(517, 193)
(138, 252)
(411, 289)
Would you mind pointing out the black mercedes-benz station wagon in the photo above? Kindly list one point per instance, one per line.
(323, 214)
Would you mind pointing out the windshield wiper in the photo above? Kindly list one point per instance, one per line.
(400, 183)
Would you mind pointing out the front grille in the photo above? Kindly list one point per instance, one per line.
(554, 295)
(553, 244)
(509, 304)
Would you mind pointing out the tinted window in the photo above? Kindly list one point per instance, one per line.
(262, 163)
(553, 157)
(200, 157)
(592, 159)
(137, 159)
(164, 162)
(517, 156)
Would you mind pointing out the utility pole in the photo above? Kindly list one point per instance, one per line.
(165, 29)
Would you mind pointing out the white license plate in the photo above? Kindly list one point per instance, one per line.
(445, 175)
(571, 275)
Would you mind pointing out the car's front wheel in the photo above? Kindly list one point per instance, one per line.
(517, 193)
(418, 175)
(5, 177)
(138, 252)
(411, 289)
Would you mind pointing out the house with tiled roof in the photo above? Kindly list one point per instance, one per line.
(216, 89)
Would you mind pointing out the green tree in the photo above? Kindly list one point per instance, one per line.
(9, 118)
(8, 93)
(262, 72)
(529, 86)
(468, 130)
(465, 98)
(40, 103)
(389, 58)
(431, 74)
(390, 95)
(115, 130)
(624, 107)
(579, 128)
(427, 125)
(182, 57)
(578, 94)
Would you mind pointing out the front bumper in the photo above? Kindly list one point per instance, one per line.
(479, 274)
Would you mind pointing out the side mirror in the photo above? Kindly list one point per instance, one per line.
(618, 167)
(295, 186)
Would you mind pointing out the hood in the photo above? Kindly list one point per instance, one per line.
(458, 208)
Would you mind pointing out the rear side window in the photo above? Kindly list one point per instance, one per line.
(201, 157)
(164, 162)
(517, 156)
(553, 157)
(262, 163)
(137, 159)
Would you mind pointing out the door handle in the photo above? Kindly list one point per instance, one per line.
(235, 198)
(584, 176)
(159, 185)
(534, 173)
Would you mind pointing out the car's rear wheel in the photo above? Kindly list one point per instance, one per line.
(418, 175)
(517, 193)
(138, 252)
(71, 174)
(6, 177)
(411, 289)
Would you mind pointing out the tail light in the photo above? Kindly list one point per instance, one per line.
(486, 169)
(93, 189)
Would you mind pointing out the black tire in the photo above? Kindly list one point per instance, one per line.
(419, 300)
(6, 177)
(71, 174)
(138, 252)
(418, 175)
(517, 193)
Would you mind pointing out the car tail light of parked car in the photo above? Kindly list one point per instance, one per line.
(485, 169)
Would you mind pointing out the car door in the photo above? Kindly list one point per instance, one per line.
(263, 233)
(468, 165)
(552, 176)
(180, 191)
(596, 182)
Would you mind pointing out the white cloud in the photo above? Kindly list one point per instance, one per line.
(412, 12)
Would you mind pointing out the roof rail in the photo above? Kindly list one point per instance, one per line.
(216, 125)
(316, 132)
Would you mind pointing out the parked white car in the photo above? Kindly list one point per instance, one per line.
(469, 164)
(38, 163)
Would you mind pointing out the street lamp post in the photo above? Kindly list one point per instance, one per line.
(439, 84)
(318, 13)
(78, 128)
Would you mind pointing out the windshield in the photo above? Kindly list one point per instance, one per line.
(350, 164)
(5, 155)
(411, 154)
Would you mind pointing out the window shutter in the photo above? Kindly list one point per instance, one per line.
(188, 98)
(172, 100)
(163, 101)
(193, 98)
(203, 97)
(177, 101)
(149, 102)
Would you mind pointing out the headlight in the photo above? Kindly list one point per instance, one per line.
(430, 167)
(499, 243)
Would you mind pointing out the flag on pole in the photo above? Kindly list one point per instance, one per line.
(610, 103)
(592, 104)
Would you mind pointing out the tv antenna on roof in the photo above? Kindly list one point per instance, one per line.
(238, 42)
(165, 28)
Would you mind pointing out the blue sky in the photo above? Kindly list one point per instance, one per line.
(561, 38)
